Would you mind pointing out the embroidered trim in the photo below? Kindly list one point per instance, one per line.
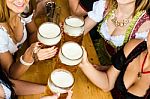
(131, 26)
(128, 31)
(144, 17)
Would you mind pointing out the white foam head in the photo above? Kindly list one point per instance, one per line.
(49, 33)
(74, 26)
(71, 53)
(62, 78)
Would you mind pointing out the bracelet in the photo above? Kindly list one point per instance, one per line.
(25, 63)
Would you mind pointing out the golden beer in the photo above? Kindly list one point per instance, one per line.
(73, 29)
(59, 82)
(49, 34)
(70, 55)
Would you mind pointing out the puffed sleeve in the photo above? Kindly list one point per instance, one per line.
(98, 10)
(118, 59)
(4, 41)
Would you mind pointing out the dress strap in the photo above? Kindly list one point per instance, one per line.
(141, 20)
(136, 51)
(131, 26)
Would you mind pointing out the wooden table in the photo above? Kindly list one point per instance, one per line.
(83, 88)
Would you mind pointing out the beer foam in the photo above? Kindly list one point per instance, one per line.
(72, 50)
(70, 54)
(62, 78)
(74, 26)
(49, 34)
(49, 30)
(74, 22)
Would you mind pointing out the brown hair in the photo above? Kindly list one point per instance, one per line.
(139, 4)
(4, 11)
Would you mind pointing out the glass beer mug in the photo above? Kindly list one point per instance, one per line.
(70, 55)
(59, 82)
(49, 34)
(73, 29)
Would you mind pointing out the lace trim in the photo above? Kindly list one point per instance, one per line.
(128, 31)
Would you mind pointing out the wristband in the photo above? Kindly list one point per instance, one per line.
(25, 63)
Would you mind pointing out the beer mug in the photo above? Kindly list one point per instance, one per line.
(70, 55)
(49, 34)
(48, 11)
(73, 29)
(59, 82)
(52, 11)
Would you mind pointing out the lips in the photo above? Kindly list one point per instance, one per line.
(19, 4)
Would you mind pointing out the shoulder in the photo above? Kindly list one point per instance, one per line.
(3, 35)
(1, 92)
(131, 45)
(97, 11)
(145, 20)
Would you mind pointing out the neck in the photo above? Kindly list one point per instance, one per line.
(12, 14)
(125, 10)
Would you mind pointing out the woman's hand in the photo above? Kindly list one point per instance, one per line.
(56, 96)
(84, 59)
(44, 53)
(47, 53)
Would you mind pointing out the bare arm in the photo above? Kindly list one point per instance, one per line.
(32, 30)
(76, 8)
(12, 68)
(27, 88)
(104, 80)
(89, 24)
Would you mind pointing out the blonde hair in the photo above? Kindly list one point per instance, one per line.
(141, 5)
(4, 11)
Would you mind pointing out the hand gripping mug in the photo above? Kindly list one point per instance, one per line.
(59, 82)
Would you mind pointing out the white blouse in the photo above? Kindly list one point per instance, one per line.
(7, 91)
(6, 42)
(119, 39)
(97, 14)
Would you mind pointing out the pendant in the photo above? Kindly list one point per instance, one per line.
(139, 75)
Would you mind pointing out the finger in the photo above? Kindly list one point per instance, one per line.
(45, 53)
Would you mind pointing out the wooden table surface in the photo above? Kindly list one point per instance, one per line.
(83, 88)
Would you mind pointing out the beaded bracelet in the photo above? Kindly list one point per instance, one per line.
(25, 63)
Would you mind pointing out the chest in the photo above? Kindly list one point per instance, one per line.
(16, 28)
(132, 82)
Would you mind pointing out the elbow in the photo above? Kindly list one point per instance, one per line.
(107, 89)
(13, 75)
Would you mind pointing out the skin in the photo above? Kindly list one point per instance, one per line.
(108, 78)
(16, 69)
(76, 8)
(124, 10)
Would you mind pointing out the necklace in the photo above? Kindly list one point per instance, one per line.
(142, 69)
(117, 23)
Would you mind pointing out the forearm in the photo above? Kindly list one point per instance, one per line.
(89, 24)
(18, 68)
(27, 88)
(32, 31)
(99, 78)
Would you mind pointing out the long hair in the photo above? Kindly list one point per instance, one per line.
(5, 81)
(4, 11)
(141, 5)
